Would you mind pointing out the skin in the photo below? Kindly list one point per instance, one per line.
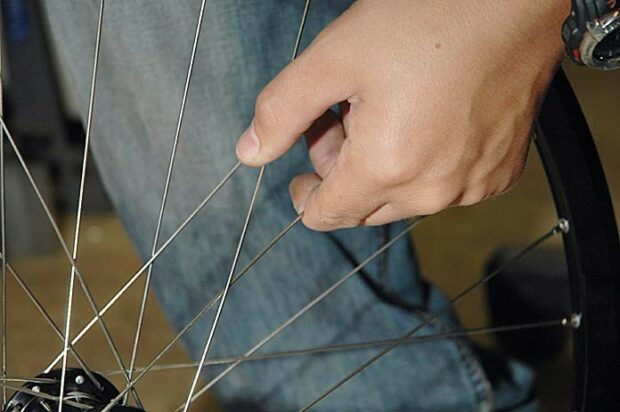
(438, 101)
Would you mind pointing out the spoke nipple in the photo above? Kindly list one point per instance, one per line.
(574, 321)
(564, 225)
(79, 379)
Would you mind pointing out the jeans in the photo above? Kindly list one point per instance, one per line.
(144, 59)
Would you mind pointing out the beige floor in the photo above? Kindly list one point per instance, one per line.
(107, 260)
(453, 248)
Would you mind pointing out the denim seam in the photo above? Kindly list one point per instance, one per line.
(482, 388)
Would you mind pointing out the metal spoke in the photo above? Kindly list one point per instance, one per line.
(78, 218)
(44, 381)
(309, 306)
(162, 207)
(97, 319)
(300, 30)
(231, 273)
(51, 322)
(3, 232)
(208, 307)
(561, 227)
(259, 181)
(145, 266)
(251, 355)
(140, 271)
(563, 322)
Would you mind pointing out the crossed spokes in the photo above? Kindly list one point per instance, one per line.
(133, 374)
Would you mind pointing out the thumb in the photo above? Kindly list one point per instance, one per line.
(289, 104)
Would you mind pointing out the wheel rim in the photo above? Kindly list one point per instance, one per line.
(592, 249)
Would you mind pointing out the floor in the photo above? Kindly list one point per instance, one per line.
(467, 236)
(107, 259)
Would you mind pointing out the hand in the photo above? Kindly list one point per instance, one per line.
(438, 100)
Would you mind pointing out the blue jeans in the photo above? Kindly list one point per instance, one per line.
(144, 58)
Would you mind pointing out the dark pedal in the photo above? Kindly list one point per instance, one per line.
(532, 289)
(80, 393)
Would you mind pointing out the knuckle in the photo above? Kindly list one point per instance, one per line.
(475, 195)
(439, 199)
(513, 178)
(486, 190)
(266, 111)
(505, 186)
(323, 216)
(436, 205)
(393, 170)
(332, 220)
(328, 217)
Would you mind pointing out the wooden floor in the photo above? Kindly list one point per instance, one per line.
(107, 259)
(452, 249)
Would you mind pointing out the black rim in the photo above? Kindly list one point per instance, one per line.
(592, 249)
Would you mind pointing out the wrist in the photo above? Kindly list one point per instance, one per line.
(535, 32)
(542, 28)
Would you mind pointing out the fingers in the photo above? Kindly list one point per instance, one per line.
(325, 138)
(323, 215)
(289, 104)
(342, 199)
(386, 214)
(345, 110)
(300, 188)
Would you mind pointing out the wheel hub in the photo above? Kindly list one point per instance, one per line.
(80, 393)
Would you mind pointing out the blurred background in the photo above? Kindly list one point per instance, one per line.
(455, 249)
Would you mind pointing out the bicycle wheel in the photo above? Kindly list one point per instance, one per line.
(565, 142)
(585, 219)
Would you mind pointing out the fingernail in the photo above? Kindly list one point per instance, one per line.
(248, 145)
(298, 207)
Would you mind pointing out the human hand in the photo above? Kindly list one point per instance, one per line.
(437, 98)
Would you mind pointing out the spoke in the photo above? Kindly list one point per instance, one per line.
(78, 219)
(51, 322)
(259, 181)
(309, 306)
(231, 273)
(177, 133)
(46, 396)
(561, 227)
(145, 266)
(97, 318)
(300, 30)
(564, 322)
(208, 307)
(3, 232)
(44, 381)
(140, 271)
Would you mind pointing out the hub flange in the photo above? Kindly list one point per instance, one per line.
(80, 393)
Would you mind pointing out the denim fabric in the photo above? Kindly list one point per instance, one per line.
(144, 59)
